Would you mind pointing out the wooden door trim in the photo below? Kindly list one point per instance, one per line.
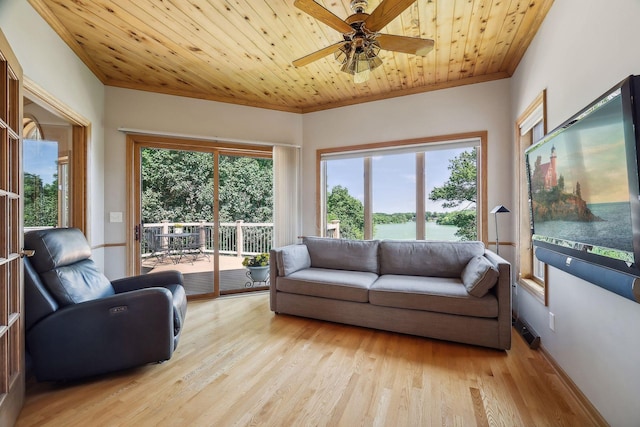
(12, 324)
(80, 151)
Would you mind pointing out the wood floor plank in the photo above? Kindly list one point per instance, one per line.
(240, 364)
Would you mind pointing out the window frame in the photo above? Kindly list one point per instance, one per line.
(481, 204)
(535, 113)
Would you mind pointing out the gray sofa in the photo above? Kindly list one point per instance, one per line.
(456, 291)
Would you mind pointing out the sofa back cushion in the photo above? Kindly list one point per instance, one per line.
(427, 258)
(343, 254)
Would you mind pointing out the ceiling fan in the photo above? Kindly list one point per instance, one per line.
(358, 51)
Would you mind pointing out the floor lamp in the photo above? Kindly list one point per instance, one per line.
(495, 211)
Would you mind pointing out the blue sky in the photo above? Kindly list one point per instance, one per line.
(394, 178)
(40, 158)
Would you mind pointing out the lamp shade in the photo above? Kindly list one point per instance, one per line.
(499, 209)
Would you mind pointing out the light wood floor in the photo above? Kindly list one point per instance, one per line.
(239, 364)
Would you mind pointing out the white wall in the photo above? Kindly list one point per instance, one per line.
(176, 115)
(476, 107)
(582, 50)
(47, 60)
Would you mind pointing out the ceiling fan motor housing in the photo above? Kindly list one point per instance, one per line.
(359, 6)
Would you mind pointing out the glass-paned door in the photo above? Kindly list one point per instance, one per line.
(246, 221)
(12, 370)
(177, 215)
(203, 210)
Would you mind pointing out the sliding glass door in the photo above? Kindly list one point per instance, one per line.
(177, 215)
(201, 210)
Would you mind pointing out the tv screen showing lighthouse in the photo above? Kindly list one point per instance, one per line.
(579, 184)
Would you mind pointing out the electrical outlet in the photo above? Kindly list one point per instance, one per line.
(552, 321)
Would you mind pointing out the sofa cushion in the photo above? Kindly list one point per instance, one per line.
(292, 258)
(479, 276)
(327, 283)
(438, 294)
(427, 258)
(342, 254)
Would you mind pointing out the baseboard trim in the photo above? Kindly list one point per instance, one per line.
(573, 388)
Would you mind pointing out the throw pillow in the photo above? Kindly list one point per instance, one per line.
(294, 258)
(479, 276)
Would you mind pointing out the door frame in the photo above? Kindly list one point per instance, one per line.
(78, 159)
(135, 142)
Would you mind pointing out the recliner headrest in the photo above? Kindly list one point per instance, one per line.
(56, 247)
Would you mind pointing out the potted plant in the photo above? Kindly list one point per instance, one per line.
(177, 228)
(258, 266)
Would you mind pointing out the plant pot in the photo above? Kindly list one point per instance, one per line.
(259, 274)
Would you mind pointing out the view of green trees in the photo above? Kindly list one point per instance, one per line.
(459, 191)
(178, 186)
(349, 210)
(40, 201)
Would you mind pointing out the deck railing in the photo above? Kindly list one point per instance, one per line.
(236, 238)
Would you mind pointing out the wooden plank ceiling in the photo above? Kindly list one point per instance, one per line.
(240, 51)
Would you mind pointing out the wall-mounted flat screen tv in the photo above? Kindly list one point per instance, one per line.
(583, 183)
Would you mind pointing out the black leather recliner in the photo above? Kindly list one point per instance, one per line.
(80, 324)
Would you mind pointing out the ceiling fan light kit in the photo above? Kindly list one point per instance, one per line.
(358, 52)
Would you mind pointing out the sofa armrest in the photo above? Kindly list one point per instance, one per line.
(503, 294)
(103, 335)
(284, 261)
(159, 279)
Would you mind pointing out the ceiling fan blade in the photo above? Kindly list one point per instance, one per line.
(319, 54)
(323, 15)
(386, 11)
(411, 45)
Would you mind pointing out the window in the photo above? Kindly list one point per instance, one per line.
(46, 186)
(415, 189)
(531, 127)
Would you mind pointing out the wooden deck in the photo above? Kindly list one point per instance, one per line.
(198, 273)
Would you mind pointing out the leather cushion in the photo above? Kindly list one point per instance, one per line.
(77, 283)
(56, 247)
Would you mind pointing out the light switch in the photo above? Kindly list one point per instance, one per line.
(115, 216)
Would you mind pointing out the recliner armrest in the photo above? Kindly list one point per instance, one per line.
(103, 335)
(160, 279)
